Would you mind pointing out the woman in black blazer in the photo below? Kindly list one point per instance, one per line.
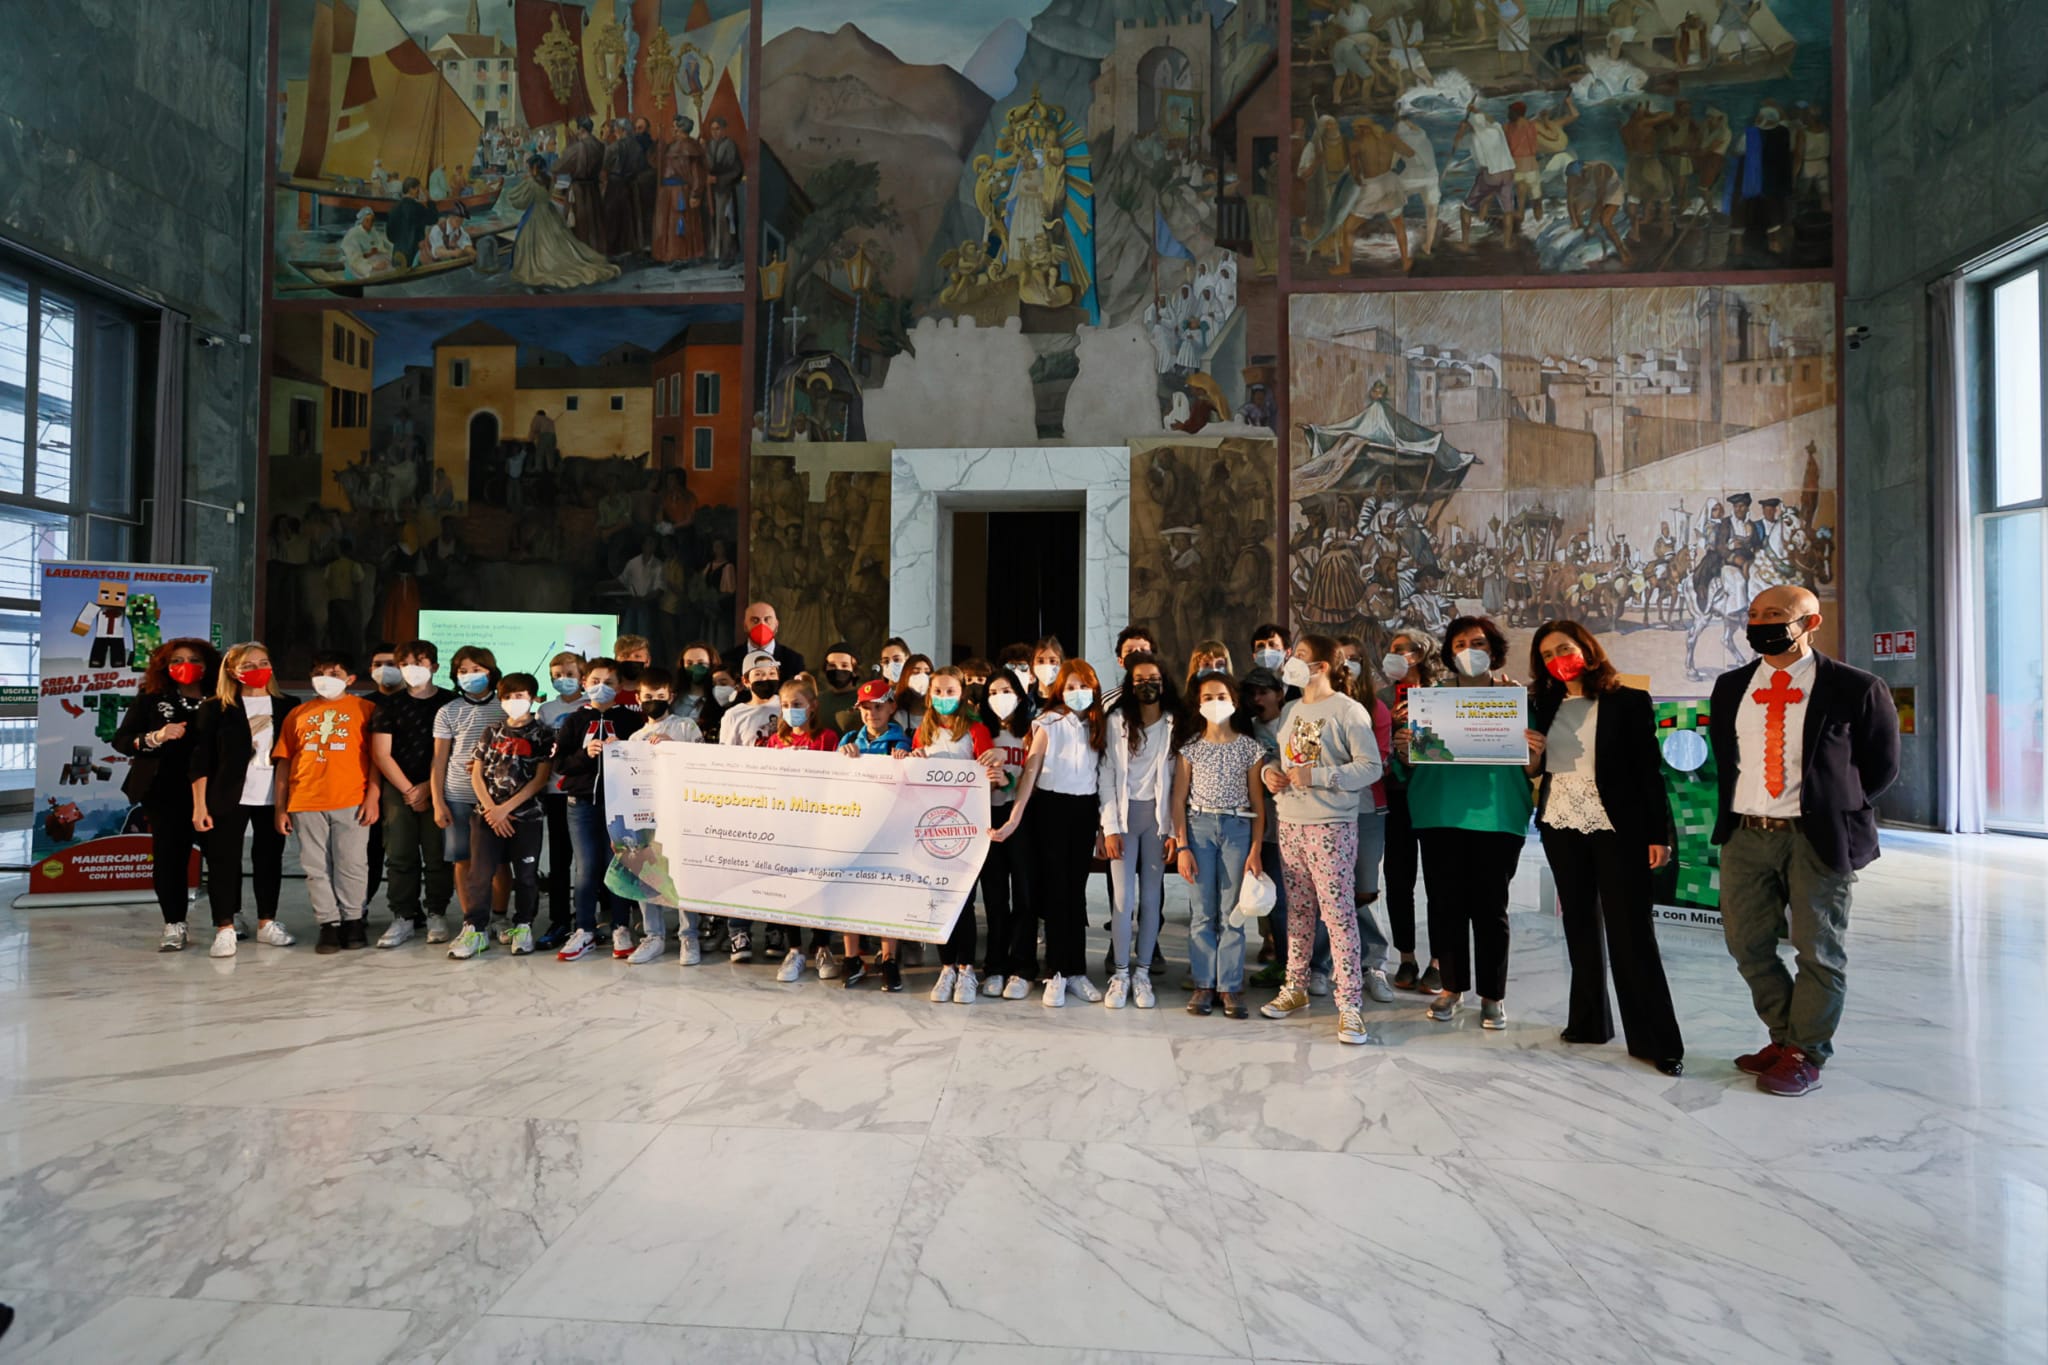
(156, 735)
(232, 790)
(1606, 825)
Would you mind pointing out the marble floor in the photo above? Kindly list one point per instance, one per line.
(390, 1156)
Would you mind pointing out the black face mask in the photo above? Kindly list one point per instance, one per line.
(1147, 692)
(630, 672)
(765, 688)
(839, 678)
(699, 672)
(654, 710)
(977, 695)
(1776, 638)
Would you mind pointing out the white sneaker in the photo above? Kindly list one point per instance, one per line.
(821, 962)
(1119, 991)
(579, 946)
(401, 931)
(1083, 987)
(942, 990)
(223, 942)
(1055, 992)
(622, 942)
(650, 950)
(693, 950)
(469, 943)
(792, 968)
(1018, 987)
(1318, 983)
(272, 933)
(437, 928)
(1377, 986)
(1141, 990)
(173, 939)
(993, 987)
(965, 989)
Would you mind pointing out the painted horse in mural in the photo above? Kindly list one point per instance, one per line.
(1725, 604)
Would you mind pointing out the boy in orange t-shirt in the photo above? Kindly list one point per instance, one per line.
(327, 789)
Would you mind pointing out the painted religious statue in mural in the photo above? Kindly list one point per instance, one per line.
(1038, 216)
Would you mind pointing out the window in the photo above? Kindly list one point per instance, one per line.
(700, 440)
(339, 333)
(707, 394)
(2016, 390)
(618, 402)
(503, 89)
(458, 374)
(479, 94)
(572, 403)
(675, 394)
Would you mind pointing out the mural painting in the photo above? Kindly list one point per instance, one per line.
(1202, 538)
(956, 202)
(1645, 460)
(515, 149)
(1522, 137)
(819, 544)
(556, 459)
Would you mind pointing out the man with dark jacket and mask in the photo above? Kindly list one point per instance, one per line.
(1805, 745)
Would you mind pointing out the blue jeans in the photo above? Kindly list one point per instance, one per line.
(1142, 870)
(593, 848)
(1269, 859)
(1221, 843)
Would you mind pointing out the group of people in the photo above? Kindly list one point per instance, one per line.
(1284, 796)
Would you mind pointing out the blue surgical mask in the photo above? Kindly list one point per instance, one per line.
(945, 706)
(567, 686)
(388, 675)
(604, 694)
(796, 716)
(474, 683)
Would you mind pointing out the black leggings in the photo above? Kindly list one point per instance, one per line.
(171, 841)
(1008, 899)
(561, 858)
(1402, 859)
(1062, 830)
(224, 862)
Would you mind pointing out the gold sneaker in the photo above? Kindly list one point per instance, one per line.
(1290, 999)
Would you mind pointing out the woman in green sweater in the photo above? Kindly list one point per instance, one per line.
(1472, 820)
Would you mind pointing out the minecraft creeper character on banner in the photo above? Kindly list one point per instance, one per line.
(146, 625)
(105, 619)
(1691, 785)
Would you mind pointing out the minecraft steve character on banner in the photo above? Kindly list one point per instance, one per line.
(105, 618)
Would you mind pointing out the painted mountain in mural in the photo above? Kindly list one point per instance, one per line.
(828, 96)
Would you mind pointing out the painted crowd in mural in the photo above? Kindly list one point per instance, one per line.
(621, 305)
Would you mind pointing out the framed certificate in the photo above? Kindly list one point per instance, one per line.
(1468, 725)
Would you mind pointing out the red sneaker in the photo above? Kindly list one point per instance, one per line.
(1791, 1077)
(1762, 1060)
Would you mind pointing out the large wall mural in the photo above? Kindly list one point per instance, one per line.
(1202, 537)
(428, 149)
(1644, 460)
(537, 459)
(1524, 137)
(957, 200)
(819, 537)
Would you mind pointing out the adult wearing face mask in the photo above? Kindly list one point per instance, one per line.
(694, 667)
(758, 633)
(1606, 826)
(415, 850)
(1806, 745)
(841, 681)
(234, 788)
(1410, 662)
(156, 735)
(1472, 819)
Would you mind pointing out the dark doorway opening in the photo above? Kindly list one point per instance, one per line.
(1017, 576)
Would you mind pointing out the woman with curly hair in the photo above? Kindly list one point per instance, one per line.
(156, 735)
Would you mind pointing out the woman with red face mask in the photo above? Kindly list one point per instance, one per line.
(156, 735)
(1606, 826)
(234, 786)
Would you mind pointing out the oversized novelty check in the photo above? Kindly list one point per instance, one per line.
(883, 846)
(1468, 724)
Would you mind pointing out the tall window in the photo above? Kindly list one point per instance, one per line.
(2013, 541)
(701, 439)
(68, 468)
(707, 394)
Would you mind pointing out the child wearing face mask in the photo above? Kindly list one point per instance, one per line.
(328, 792)
(664, 725)
(949, 730)
(579, 757)
(1060, 794)
(911, 689)
(1048, 656)
(1004, 894)
(565, 684)
(840, 679)
(508, 770)
(1218, 828)
(634, 655)
(458, 725)
(1409, 663)
(695, 665)
(1137, 821)
(415, 851)
(800, 726)
(890, 663)
(879, 736)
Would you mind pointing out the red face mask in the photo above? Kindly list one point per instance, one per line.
(1566, 667)
(254, 677)
(761, 633)
(185, 674)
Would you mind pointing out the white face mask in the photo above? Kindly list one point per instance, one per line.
(1351, 666)
(515, 707)
(1295, 672)
(723, 694)
(920, 683)
(1269, 658)
(1218, 712)
(416, 675)
(1004, 704)
(1395, 666)
(1473, 663)
(892, 669)
(1045, 673)
(328, 686)
(1078, 698)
